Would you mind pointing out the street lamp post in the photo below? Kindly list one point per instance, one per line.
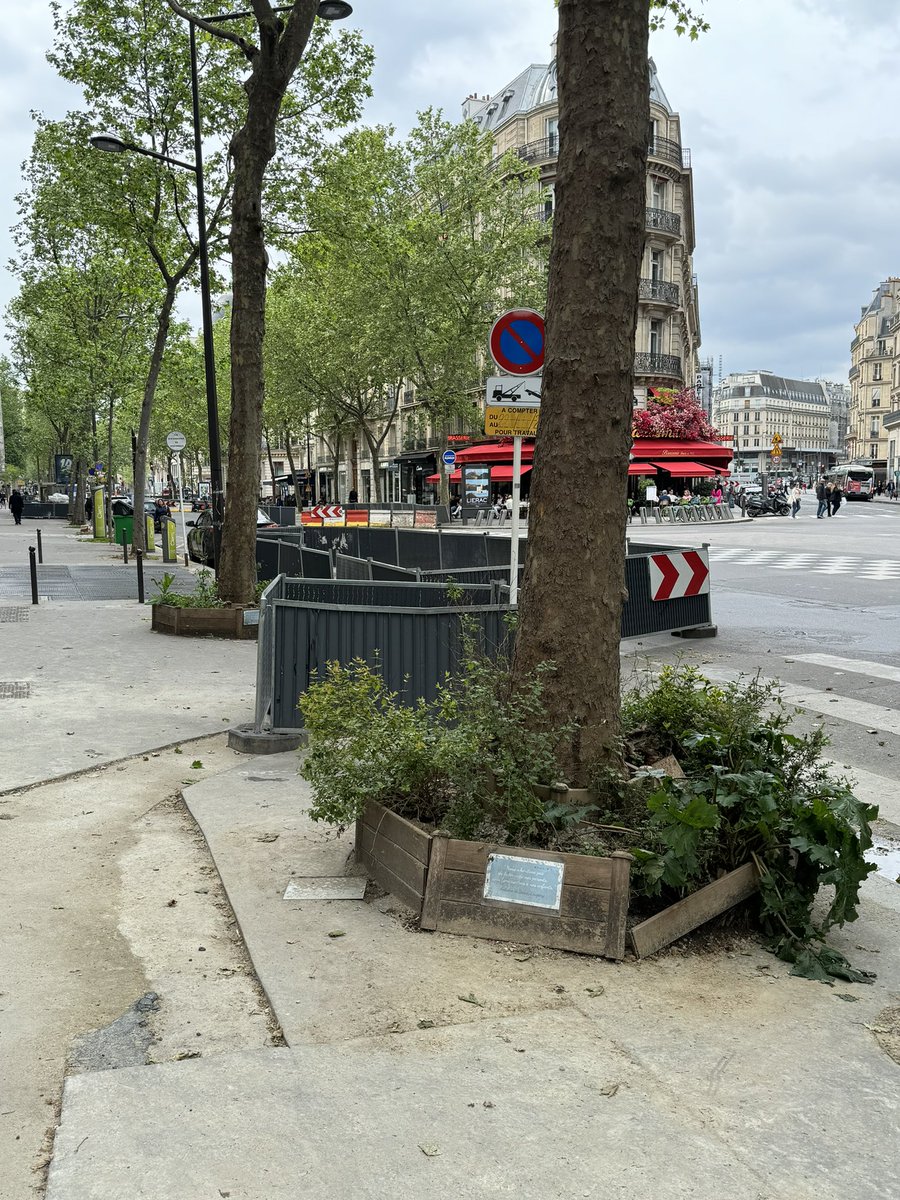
(328, 10)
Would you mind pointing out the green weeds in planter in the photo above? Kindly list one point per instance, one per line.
(754, 789)
(205, 595)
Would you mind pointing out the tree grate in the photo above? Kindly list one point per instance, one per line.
(15, 691)
(8, 614)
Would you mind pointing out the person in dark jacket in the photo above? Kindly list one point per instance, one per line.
(836, 495)
(822, 497)
(16, 504)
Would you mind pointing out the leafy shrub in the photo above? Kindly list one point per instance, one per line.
(205, 595)
(753, 790)
(468, 761)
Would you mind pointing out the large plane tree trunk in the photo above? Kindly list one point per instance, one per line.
(574, 584)
(252, 149)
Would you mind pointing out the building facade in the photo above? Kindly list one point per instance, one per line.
(874, 381)
(524, 117)
(752, 407)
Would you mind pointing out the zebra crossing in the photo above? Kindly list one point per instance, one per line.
(810, 563)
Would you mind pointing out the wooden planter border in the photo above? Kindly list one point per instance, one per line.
(201, 622)
(678, 919)
(593, 906)
(442, 880)
(395, 852)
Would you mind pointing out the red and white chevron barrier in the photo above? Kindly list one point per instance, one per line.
(681, 573)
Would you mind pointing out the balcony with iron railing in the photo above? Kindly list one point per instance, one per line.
(668, 365)
(660, 291)
(668, 151)
(660, 220)
(542, 150)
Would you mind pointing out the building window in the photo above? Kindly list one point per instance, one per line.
(657, 192)
(656, 337)
(552, 134)
(278, 467)
(873, 450)
(876, 371)
(876, 397)
(756, 441)
(657, 263)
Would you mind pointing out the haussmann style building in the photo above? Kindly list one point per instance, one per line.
(874, 419)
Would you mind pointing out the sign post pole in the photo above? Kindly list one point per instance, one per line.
(514, 525)
(181, 507)
(176, 442)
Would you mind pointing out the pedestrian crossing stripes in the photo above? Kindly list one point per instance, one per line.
(816, 564)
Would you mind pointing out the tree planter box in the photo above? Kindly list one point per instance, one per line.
(230, 622)
(567, 901)
(454, 887)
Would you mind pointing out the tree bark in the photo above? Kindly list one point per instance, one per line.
(271, 465)
(574, 585)
(139, 539)
(252, 148)
(293, 468)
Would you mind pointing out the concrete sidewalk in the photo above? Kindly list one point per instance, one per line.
(85, 683)
(435, 1066)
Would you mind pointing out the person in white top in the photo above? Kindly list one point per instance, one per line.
(796, 495)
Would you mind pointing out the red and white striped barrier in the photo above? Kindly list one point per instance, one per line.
(681, 573)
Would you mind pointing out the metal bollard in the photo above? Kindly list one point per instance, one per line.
(125, 546)
(32, 567)
(40, 546)
(139, 557)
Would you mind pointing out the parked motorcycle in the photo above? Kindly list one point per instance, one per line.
(776, 505)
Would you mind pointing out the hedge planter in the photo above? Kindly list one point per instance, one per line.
(232, 621)
(575, 902)
(567, 901)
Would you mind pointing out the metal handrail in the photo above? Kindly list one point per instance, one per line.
(265, 653)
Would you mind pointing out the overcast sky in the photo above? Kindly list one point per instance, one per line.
(787, 107)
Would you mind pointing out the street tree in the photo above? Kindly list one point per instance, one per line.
(271, 112)
(13, 428)
(409, 248)
(574, 583)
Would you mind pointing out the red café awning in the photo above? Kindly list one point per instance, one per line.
(688, 470)
(651, 449)
(500, 474)
(641, 468)
(494, 452)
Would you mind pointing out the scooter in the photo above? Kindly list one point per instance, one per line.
(776, 505)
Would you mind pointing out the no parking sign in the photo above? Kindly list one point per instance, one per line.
(517, 342)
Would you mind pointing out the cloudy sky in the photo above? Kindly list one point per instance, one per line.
(787, 107)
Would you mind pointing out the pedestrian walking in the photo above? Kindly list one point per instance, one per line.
(16, 504)
(796, 496)
(822, 497)
(836, 495)
(3, 499)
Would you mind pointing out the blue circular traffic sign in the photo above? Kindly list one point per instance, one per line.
(448, 458)
(517, 342)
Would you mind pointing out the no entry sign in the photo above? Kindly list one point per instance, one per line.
(517, 342)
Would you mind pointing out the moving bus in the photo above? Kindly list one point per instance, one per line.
(857, 482)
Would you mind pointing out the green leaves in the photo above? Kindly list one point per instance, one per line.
(755, 790)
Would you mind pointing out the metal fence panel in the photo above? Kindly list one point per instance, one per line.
(349, 567)
(418, 548)
(386, 571)
(641, 615)
(266, 558)
(413, 650)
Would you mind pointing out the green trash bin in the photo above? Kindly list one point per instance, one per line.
(124, 527)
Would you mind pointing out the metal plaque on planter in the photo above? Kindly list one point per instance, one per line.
(569, 901)
(514, 880)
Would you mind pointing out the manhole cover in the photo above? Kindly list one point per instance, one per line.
(15, 691)
(13, 614)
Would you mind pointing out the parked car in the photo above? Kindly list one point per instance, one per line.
(201, 536)
(125, 508)
(200, 503)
